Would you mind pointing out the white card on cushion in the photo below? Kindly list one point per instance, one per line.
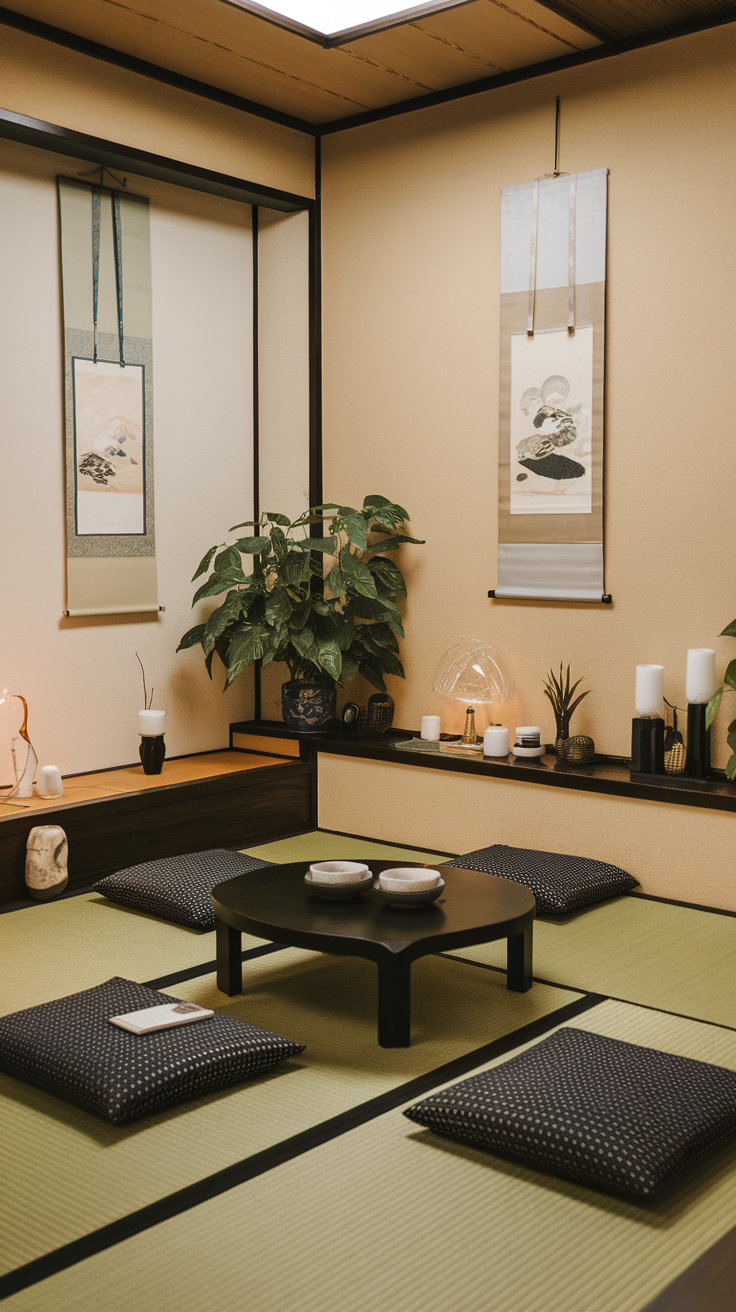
(161, 1018)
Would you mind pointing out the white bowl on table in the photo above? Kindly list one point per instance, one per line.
(409, 886)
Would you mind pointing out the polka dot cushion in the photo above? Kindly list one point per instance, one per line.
(177, 888)
(69, 1047)
(612, 1115)
(559, 883)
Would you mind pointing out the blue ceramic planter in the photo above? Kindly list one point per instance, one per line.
(307, 706)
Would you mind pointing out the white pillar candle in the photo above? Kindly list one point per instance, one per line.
(430, 728)
(49, 782)
(496, 741)
(151, 723)
(700, 679)
(649, 691)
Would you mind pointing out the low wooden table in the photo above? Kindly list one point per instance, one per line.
(275, 903)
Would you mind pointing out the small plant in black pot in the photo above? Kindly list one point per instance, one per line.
(325, 606)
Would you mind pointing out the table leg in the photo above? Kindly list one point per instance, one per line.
(229, 964)
(519, 961)
(394, 1002)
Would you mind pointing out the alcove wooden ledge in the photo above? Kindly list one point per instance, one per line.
(607, 774)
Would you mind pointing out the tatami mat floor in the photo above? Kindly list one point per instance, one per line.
(389, 1216)
(420, 1225)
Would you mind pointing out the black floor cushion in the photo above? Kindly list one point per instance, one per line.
(178, 887)
(559, 883)
(70, 1048)
(621, 1118)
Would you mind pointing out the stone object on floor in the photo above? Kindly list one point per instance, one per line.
(47, 853)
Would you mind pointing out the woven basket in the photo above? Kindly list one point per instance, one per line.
(378, 717)
(579, 750)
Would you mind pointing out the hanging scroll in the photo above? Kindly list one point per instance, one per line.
(106, 273)
(553, 283)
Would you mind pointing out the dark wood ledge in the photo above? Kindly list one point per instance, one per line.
(608, 775)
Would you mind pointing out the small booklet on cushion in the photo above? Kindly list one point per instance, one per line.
(161, 1018)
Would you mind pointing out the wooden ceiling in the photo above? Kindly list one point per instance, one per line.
(223, 44)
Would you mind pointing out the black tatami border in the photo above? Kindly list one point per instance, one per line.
(182, 1200)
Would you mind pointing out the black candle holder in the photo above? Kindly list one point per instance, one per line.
(647, 746)
(697, 763)
(152, 752)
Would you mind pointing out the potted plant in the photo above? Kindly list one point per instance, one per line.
(325, 606)
(561, 694)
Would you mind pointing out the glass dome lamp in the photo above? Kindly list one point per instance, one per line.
(18, 760)
(476, 673)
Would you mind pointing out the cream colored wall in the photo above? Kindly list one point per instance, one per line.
(678, 852)
(45, 81)
(411, 213)
(80, 676)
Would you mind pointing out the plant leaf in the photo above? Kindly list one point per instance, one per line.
(327, 545)
(730, 675)
(713, 706)
(252, 546)
(357, 531)
(274, 518)
(217, 583)
(277, 609)
(219, 620)
(389, 574)
(357, 575)
(192, 637)
(302, 641)
(392, 543)
(731, 767)
(229, 559)
(247, 523)
(350, 669)
(371, 670)
(335, 582)
(204, 564)
(729, 631)
(244, 650)
(329, 656)
(381, 634)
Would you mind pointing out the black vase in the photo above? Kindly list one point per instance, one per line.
(308, 706)
(153, 752)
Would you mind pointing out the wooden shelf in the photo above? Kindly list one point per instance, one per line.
(609, 775)
(118, 818)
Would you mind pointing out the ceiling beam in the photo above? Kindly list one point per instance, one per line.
(526, 74)
(60, 37)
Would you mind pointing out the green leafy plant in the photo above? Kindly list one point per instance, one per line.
(561, 695)
(326, 606)
(711, 710)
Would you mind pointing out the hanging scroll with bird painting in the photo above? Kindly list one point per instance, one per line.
(106, 272)
(553, 286)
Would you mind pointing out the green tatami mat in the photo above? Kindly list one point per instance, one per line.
(647, 952)
(66, 1173)
(388, 1216)
(322, 846)
(58, 948)
(61, 947)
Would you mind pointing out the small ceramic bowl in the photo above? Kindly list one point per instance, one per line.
(338, 872)
(410, 897)
(339, 892)
(404, 879)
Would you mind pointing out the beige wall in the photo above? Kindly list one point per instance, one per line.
(80, 676)
(46, 81)
(411, 305)
(674, 851)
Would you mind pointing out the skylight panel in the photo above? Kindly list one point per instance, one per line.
(330, 16)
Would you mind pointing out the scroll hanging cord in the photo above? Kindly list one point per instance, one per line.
(118, 251)
(96, 204)
(533, 260)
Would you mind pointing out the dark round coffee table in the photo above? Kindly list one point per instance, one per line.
(275, 903)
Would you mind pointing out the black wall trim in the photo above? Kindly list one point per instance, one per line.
(251, 1167)
(132, 64)
(525, 74)
(315, 339)
(50, 136)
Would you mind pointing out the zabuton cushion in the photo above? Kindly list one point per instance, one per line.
(177, 887)
(559, 883)
(615, 1116)
(69, 1047)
